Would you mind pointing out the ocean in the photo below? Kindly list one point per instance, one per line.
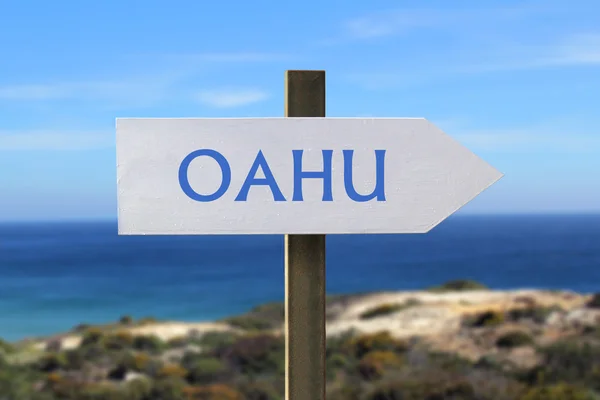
(54, 276)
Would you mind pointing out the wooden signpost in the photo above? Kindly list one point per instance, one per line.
(303, 176)
(305, 291)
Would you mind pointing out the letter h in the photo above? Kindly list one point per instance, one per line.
(299, 174)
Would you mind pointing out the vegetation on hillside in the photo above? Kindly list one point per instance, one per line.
(459, 285)
(112, 364)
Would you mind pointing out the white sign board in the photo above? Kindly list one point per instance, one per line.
(291, 175)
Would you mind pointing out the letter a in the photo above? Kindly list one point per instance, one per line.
(268, 180)
(379, 191)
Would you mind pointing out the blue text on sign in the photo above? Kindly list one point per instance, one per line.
(260, 162)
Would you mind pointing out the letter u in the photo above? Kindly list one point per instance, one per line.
(379, 190)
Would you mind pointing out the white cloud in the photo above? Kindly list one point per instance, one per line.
(134, 89)
(55, 140)
(229, 98)
(34, 92)
(527, 141)
(392, 79)
(581, 49)
(402, 21)
(386, 24)
(572, 50)
(560, 135)
(241, 57)
(577, 50)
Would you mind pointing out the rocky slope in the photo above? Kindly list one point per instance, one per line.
(458, 341)
(466, 322)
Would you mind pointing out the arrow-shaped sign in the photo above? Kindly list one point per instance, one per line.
(291, 175)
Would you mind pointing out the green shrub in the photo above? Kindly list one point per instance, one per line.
(489, 384)
(537, 314)
(349, 391)
(248, 323)
(92, 336)
(149, 343)
(54, 345)
(337, 361)
(118, 341)
(168, 389)
(423, 389)
(387, 309)
(118, 373)
(459, 285)
(214, 340)
(140, 363)
(74, 359)
(259, 390)
(212, 392)
(339, 354)
(260, 318)
(373, 365)
(255, 354)
(203, 369)
(381, 310)
(97, 391)
(19, 382)
(594, 301)
(486, 319)
(448, 361)
(489, 362)
(172, 371)
(569, 361)
(89, 353)
(153, 367)
(126, 320)
(178, 342)
(381, 341)
(137, 362)
(340, 342)
(6, 347)
(53, 378)
(138, 389)
(51, 362)
(514, 339)
(559, 392)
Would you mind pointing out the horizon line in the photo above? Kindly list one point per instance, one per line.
(459, 215)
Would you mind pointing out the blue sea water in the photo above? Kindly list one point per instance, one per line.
(56, 275)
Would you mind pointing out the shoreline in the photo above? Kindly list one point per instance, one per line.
(335, 298)
(412, 313)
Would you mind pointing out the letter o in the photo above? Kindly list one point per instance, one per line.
(185, 183)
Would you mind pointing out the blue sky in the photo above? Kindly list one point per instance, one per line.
(515, 81)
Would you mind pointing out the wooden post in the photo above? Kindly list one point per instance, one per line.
(305, 268)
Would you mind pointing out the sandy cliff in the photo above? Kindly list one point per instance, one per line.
(468, 323)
